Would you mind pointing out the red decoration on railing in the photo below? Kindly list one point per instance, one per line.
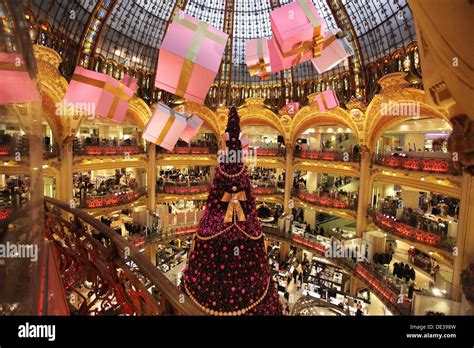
(267, 152)
(4, 213)
(113, 200)
(310, 243)
(264, 191)
(406, 231)
(377, 283)
(186, 190)
(111, 150)
(185, 150)
(4, 150)
(323, 201)
(420, 164)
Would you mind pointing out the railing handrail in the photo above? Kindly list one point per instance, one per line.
(158, 279)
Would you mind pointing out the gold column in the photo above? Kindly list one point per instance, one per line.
(364, 192)
(65, 170)
(464, 251)
(151, 177)
(288, 177)
(284, 250)
(150, 253)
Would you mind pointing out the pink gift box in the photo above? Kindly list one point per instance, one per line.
(295, 27)
(98, 94)
(16, 86)
(130, 82)
(334, 51)
(279, 63)
(292, 108)
(193, 124)
(257, 57)
(327, 100)
(189, 58)
(165, 127)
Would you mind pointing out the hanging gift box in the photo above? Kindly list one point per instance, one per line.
(165, 127)
(193, 124)
(257, 57)
(129, 82)
(327, 100)
(189, 58)
(335, 50)
(16, 86)
(98, 94)
(297, 33)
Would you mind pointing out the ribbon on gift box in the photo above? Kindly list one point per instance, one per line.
(309, 45)
(166, 128)
(201, 31)
(234, 205)
(118, 93)
(7, 66)
(323, 100)
(261, 67)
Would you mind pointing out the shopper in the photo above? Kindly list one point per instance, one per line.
(295, 276)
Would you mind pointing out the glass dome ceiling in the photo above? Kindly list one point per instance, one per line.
(130, 32)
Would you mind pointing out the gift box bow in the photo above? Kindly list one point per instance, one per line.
(312, 45)
(260, 68)
(234, 206)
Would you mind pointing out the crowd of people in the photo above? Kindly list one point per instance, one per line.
(15, 192)
(85, 187)
(187, 177)
(266, 177)
(431, 215)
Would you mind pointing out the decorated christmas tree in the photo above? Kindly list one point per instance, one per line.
(228, 271)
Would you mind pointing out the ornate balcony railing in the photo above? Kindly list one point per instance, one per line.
(422, 164)
(172, 232)
(189, 150)
(271, 152)
(384, 289)
(333, 156)
(4, 213)
(16, 151)
(323, 201)
(95, 264)
(183, 190)
(265, 191)
(391, 225)
(112, 200)
(106, 150)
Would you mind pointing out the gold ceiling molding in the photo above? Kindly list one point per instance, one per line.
(139, 112)
(395, 91)
(49, 78)
(342, 213)
(310, 116)
(338, 168)
(85, 167)
(252, 114)
(209, 117)
(414, 181)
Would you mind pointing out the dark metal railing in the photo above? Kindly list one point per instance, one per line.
(103, 274)
(113, 199)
